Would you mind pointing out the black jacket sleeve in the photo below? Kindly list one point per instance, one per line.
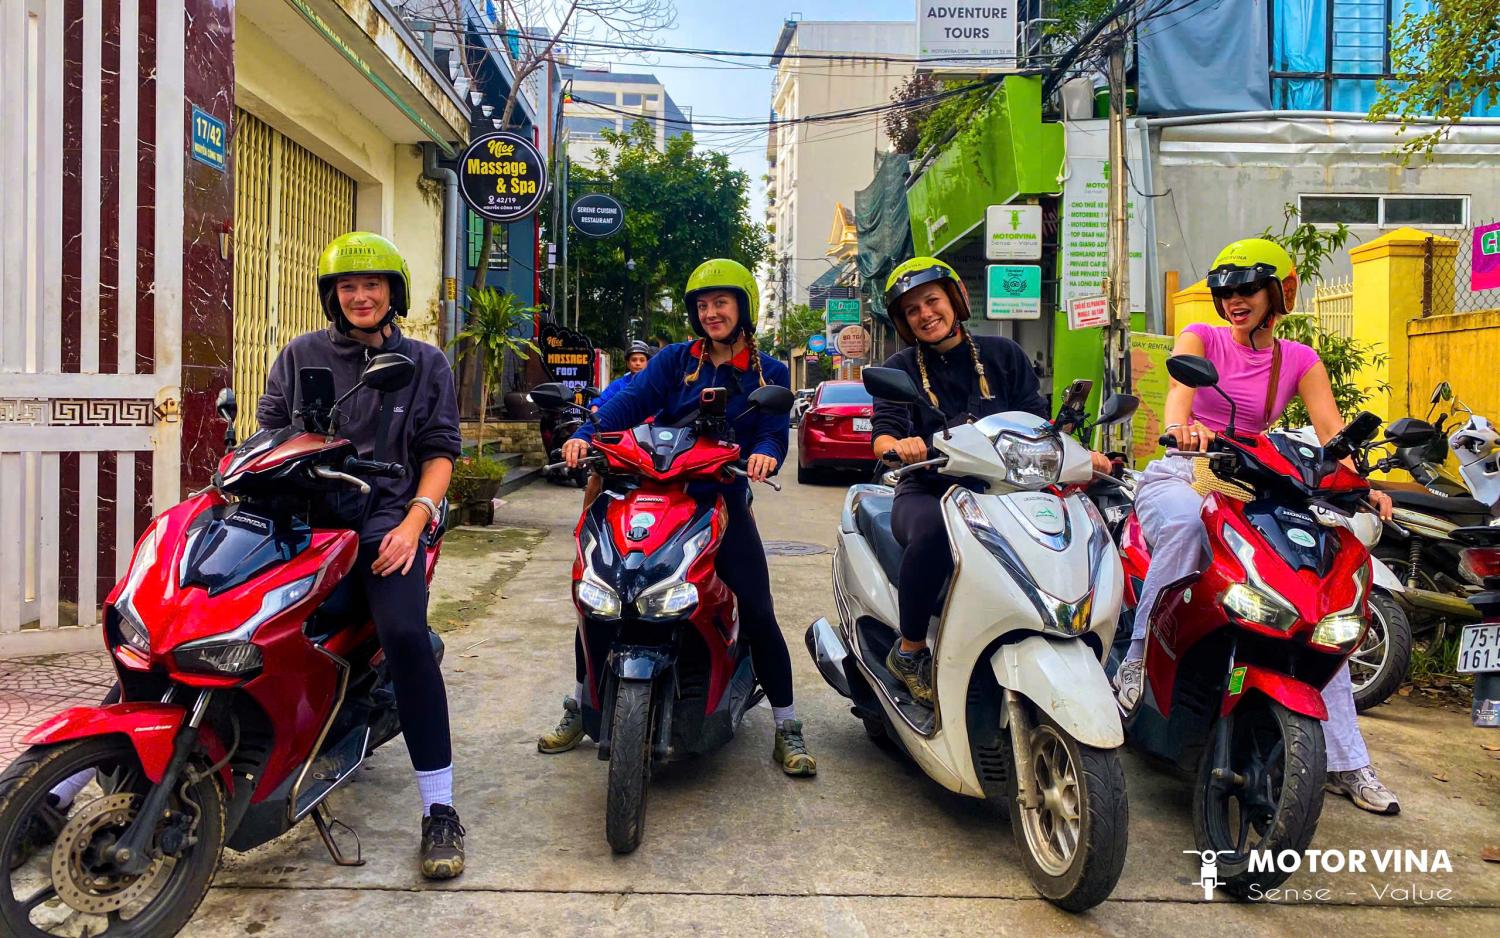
(891, 418)
(274, 410)
(436, 419)
(1019, 387)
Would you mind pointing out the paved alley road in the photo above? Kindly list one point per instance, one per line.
(732, 847)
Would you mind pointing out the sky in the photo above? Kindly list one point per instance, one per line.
(741, 88)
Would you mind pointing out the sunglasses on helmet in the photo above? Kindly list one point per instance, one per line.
(1243, 289)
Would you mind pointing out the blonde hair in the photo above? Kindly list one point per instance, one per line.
(984, 384)
(691, 377)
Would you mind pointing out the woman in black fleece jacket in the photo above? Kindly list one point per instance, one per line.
(364, 284)
(964, 376)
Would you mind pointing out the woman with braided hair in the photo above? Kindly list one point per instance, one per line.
(721, 304)
(964, 376)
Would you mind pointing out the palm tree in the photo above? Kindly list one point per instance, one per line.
(492, 319)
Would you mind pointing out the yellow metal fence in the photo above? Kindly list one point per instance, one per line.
(288, 204)
(1333, 306)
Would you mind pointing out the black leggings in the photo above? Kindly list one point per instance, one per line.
(926, 564)
(398, 604)
(741, 564)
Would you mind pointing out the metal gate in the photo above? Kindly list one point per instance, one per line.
(90, 293)
(288, 205)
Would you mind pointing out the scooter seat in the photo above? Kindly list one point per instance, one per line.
(872, 516)
(1453, 507)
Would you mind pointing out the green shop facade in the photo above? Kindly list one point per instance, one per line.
(1008, 155)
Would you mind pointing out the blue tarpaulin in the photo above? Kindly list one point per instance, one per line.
(1204, 57)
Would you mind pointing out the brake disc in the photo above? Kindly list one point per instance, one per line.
(83, 880)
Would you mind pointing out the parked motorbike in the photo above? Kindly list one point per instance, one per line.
(668, 677)
(251, 686)
(1236, 655)
(1023, 714)
(1479, 643)
(557, 425)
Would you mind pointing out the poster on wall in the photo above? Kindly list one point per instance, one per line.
(1149, 381)
(502, 177)
(568, 356)
(1084, 243)
(1484, 273)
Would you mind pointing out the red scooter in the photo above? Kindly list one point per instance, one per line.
(667, 676)
(1236, 655)
(251, 685)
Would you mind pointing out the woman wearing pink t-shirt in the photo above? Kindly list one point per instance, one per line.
(1253, 283)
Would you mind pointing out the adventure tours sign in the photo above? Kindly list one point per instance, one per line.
(502, 177)
(972, 37)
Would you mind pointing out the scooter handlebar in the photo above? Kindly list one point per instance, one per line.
(370, 467)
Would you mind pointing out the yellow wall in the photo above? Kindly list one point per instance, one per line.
(277, 89)
(1190, 305)
(1461, 349)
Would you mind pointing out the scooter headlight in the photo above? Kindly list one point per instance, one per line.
(1030, 464)
(233, 652)
(132, 629)
(1339, 631)
(669, 602)
(595, 595)
(1255, 601)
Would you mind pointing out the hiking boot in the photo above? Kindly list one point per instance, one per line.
(791, 750)
(568, 732)
(1364, 789)
(42, 829)
(1129, 681)
(442, 843)
(913, 670)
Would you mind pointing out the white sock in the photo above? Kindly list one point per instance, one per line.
(781, 714)
(436, 788)
(578, 693)
(68, 788)
(1137, 650)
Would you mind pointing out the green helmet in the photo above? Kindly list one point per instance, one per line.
(362, 252)
(913, 273)
(721, 273)
(1250, 260)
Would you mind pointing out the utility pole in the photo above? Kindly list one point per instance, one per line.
(786, 262)
(1117, 334)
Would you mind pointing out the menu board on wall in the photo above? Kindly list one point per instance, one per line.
(1149, 381)
(1084, 244)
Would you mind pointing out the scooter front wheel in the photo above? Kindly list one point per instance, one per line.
(1072, 841)
(57, 876)
(629, 766)
(1267, 796)
(1378, 666)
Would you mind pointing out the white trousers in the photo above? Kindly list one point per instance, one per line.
(1171, 518)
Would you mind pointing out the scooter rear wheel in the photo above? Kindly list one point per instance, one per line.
(1379, 664)
(629, 766)
(1073, 843)
(1270, 801)
(67, 887)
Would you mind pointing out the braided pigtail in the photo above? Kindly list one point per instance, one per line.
(754, 357)
(926, 382)
(984, 384)
(692, 377)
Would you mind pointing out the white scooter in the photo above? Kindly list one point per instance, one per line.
(1023, 712)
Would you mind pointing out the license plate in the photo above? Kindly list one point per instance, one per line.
(862, 425)
(1479, 649)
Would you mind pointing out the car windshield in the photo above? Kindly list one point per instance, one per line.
(844, 394)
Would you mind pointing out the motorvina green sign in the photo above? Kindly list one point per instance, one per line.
(843, 311)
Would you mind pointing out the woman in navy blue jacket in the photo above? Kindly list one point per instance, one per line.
(721, 305)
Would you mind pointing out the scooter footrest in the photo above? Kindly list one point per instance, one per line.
(332, 768)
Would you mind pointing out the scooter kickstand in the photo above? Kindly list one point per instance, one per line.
(324, 820)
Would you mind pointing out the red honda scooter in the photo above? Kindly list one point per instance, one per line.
(251, 685)
(1236, 655)
(668, 677)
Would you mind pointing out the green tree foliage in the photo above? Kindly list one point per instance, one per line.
(682, 207)
(800, 323)
(1447, 60)
(1074, 16)
(492, 323)
(1344, 357)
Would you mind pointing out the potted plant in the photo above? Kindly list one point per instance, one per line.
(491, 321)
(475, 482)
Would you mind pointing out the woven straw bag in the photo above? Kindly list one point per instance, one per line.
(1205, 482)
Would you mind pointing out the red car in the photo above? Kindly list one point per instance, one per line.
(835, 430)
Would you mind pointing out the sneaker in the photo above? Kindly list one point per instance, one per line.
(568, 732)
(791, 750)
(442, 843)
(913, 670)
(1364, 789)
(41, 830)
(1128, 683)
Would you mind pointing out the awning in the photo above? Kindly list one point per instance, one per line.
(1005, 153)
(883, 226)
